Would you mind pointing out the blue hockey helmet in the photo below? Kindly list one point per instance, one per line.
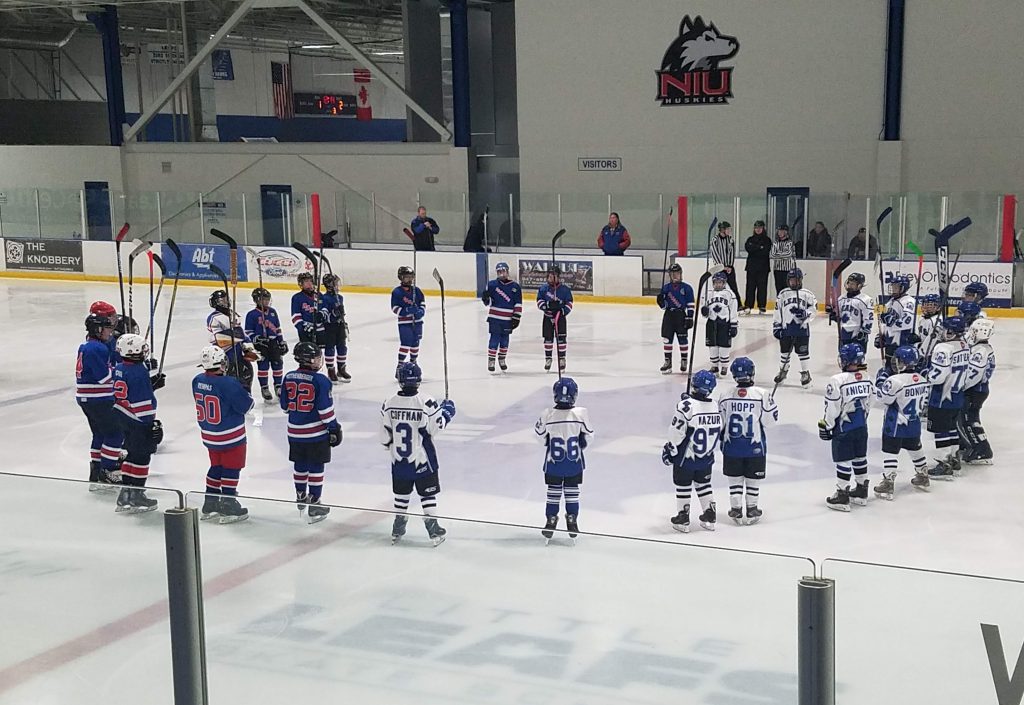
(501, 267)
(979, 290)
(857, 278)
(954, 326)
(795, 273)
(902, 281)
(851, 354)
(742, 369)
(931, 300)
(968, 310)
(409, 374)
(703, 384)
(565, 391)
(905, 357)
(720, 278)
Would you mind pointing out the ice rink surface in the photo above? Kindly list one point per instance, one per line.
(286, 601)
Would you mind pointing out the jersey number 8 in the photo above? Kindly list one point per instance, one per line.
(208, 408)
(565, 449)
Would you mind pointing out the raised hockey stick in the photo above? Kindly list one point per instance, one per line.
(668, 229)
(942, 239)
(259, 262)
(325, 260)
(236, 363)
(704, 279)
(139, 249)
(554, 242)
(233, 245)
(173, 247)
(308, 254)
(151, 330)
(913, 248)
(833, 294)
(121, 235)
(444, 332)
(707, 255)
(412, 239)
(152, 304)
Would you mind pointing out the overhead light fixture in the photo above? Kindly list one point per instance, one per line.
(387, 53)
(318, 46)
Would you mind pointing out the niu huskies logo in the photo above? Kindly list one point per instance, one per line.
(689, 72)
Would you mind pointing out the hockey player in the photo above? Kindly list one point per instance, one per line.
(903, 395)
(305, 316)
(504, 296)
(95, 396)
(565, 432)
(263, 328)
(333, 337)
(927, 325)
(974, 444)
(690, 451)
(554, 299)
(106, 310)
(975, 292)
(313, 428)
(969, 311)
(409, 304)
(676, 298)
(221, 406)
(227, 334)
(947, 373)
(847, 399)
(855, 314)
(134, 399)
(794, 308)
(896, 322)
(745, 410)
(721, 309)
(409, 423)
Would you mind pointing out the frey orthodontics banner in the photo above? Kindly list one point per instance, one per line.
(196, 261)
(44, 255)
(577, 274)
(997, 276)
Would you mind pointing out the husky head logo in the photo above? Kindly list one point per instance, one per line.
(699, 47)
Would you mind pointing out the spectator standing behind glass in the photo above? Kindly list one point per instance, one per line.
(424, 228)
(819, 241)
(723, 252)
(856, 250)
(783, 257)
(759, 263)
(614, 238)
(475, 236)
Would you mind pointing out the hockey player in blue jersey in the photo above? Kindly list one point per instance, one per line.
(746, 410)
(313, 428)
(136, 402)
(794, 309)
(305, 316)
(94, 393)
(974, 446)
(504, 299)
(409, 423)
(693, 435)
(676, 298)
(221, 406)
(845, 423)
(947, 373)
(409, 304)
(903, 395)
(554, 299)
(855, 314)
(565, 432)
(333, 338)
(263, 328)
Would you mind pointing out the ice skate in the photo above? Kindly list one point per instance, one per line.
(398, 528)
(681, 521)
(231, 511)
(708, 518)
(435, 531)
(301, 498)
(859, 494)
(805, 378)
(211, 508)
(781, 376)
(547, 364)
(124, 500)
(561, 365)
(920, 481)
(753, 514)
(723, 371)
(343, 374)
(666, 369)
(102, 480)
(316, 512)
(683, 360)
(332, 374)
(572, 527)
(501, 363)
(840, 501)
(941, 471)
(490, 364)
(549, 528)
(736, 514)
(267, 396)
(141, 503)
(277, 391)
(979, 460)
(887, 487)
(955, 465)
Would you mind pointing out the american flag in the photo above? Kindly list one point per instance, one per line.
(281, 78)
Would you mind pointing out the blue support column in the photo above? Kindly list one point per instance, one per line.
(460, 71)
(894, 70)
(106, 23)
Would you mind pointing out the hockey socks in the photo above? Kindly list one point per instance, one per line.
(554, 500)
(229, 480)
(683, 496)
(213, 479)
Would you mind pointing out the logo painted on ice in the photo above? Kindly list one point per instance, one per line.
(690, 73)
(283, 263)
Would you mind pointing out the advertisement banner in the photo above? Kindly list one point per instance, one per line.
(577, 274)
(997, 276)
(223, 68)
(44, 255)
(281, 264)
(196, 261)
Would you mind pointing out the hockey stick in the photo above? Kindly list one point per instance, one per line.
(412, 239)
(325, 260)
(236, 363)
(913, 248)
(707, 255)
(308, 254)
(879, 267)
(554, 241)
(704, 279)
(121, 234)
(159, 290)
(942, 239)
(152, 305)
(833, 300)
(444, 332)
(173, 247)
(233, 245)
(259, 262)
(664, 268)
(139, 249)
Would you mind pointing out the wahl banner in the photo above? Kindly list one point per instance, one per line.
(690, 72)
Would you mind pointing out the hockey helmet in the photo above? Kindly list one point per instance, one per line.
(501, 267)
(307, 354)
(954, 326)
(902, 281)
(565, 391)
(303, 278)
(404, 272)
(703, 384)
(977, 290)
(980, 331)
(102, 308)
(905, 357)
(797, 274)
(719, 278)
(409, 375)
(331, 282)
(930, 303)
(849, 355)
(96, 324)
(857, 279)
(259, 294)
(758, 223)
(213, 358)
(219, 299)
(724, 225)
(742, 369)
(968, 310)
(132, 346)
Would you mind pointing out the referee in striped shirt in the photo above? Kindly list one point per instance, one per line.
(723, 252)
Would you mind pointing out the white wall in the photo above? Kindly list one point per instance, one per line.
(57, 167)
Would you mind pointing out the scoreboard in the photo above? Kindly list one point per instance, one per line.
(325, 104)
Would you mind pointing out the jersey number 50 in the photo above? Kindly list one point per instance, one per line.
(300, 396)
(207, 408)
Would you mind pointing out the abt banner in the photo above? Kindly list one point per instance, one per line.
(44, 255)
(196, 261)
(998, 276)
(280, 264)
(578, 274)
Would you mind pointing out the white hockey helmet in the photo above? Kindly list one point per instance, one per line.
(981, 330)
(132, 346)
(213, 358)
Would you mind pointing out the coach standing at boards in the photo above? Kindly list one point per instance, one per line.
(614, 238)
(759, 264)
(723, 252)
(424, 228)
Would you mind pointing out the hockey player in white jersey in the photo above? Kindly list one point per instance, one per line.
(226, 333)
(565, 432)
(974, 445)
(896, 322)
(903, 395)
(409, 423)
(845, 424)
(794, 308)
(947, 373)
(854, 314)
(928, 325)
(721, 309)
(746, 410)
(693, 435)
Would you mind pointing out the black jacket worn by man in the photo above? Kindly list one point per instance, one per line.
(759, 250)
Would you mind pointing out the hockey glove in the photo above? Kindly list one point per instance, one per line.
(156, 433)
(262, 344)
(688, 323)
(668, 454)
(824, 432)
(799, 314)
(158, 380)
(448, 410)
(704, 311)
(515, 321)
(334, 437)
(879, 343)
(888, 318)
(420, 311)
(308, 328)
(912, 339)
(661, 300)
(282, 346)
(734, 330)
(833, 317)
(777, 332)
(486, 298)
(249, 353)
(152, 363)
(583, 441)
